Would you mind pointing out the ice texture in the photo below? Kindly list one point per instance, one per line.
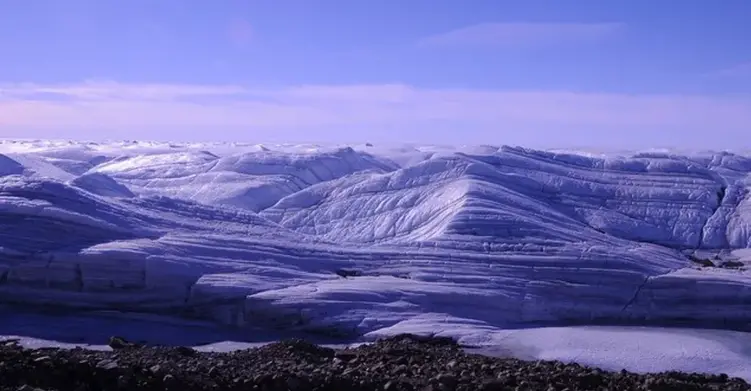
(359, 240)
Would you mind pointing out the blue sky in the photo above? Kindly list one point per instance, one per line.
(554, 73)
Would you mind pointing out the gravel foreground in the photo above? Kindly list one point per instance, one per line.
(399, 363)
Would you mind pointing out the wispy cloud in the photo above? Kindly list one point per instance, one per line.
(738, 70)
(108, 90)
(393, 112)
(523, 34)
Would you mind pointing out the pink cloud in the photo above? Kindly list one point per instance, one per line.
(240, 32)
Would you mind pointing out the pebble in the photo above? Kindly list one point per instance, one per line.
(400, 363)
(106, 364)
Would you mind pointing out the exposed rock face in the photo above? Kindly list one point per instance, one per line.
(398, 363)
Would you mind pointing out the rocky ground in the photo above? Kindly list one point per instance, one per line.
(398, 363)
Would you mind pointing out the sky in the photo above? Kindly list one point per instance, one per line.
(542, 74)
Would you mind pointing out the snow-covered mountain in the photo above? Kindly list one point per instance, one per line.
(360, 239)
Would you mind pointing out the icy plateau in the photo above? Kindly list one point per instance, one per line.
(357, 240)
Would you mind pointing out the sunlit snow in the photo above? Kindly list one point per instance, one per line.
(366, 240)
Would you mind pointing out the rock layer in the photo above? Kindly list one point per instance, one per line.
(494, 238)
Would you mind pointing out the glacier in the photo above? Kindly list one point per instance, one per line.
(359, 240)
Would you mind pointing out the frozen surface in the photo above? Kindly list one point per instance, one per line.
(358, 240)
(637, 349)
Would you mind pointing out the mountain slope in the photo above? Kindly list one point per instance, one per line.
(347, 241)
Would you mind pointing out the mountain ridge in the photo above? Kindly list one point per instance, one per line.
(348, 240)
